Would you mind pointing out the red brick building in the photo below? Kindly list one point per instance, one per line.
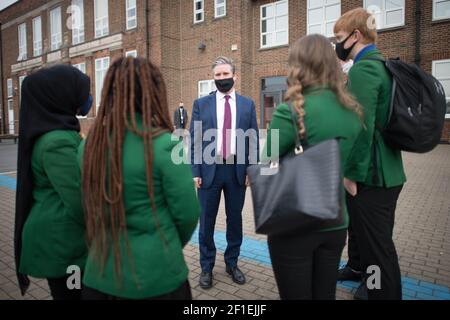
(184, 36)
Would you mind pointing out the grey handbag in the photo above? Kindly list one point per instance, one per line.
(303, 192)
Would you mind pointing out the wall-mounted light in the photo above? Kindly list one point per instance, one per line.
(201, 46)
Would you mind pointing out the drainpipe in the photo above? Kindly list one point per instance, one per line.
(2, 102)
(418, 20)
(147, 40)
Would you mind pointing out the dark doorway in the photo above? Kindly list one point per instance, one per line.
(273, 90)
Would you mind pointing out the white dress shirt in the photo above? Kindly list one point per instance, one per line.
(220, 112)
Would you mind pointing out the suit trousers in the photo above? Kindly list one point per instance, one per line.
(372, 212)
(224, 180)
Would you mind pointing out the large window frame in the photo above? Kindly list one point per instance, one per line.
(210, 84)
(382, 12)
(37, 36)
(445, 78)
(101, 68)
(313, 5)
(55, 29)
(22, 38)
(265, 19)
(199, 11)
(101, 23)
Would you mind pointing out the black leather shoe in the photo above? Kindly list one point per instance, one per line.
(361, 293)
(236, 274)
(205, 280)
(348, 274)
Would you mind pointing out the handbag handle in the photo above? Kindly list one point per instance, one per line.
(298, 145)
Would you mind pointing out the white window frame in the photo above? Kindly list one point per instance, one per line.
(56, 38)
(77, 14)
(211, 87)
(323, 23)
(435, 2)
(447, 94)
(261, 19)
(128, 9)
(218, 6)
(21, 78)
(99, 82)
(22, 38)
(80, 66)
(37, 36)
(101, 24)
(10, 107)
(202, 11)
(9, 88)
(383, 13)
(131, 53)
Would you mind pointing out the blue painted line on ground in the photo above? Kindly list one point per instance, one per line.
(257, 251)
(8, 182)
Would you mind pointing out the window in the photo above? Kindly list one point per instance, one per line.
(21, 78)
(441, 70)
(388, 13)
(55, 28)
(101, 67)
(441, 9)
(322, 15)
(22, 32)
(220, 8)
(9, 86)
(199, 11)
(81, 66)
(205, 87)
(101, 18)
(77, 12)
(131, 14)
(274, 24)
(132, 53)
(11, 116)
(37, 36)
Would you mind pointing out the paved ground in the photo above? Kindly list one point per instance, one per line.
(422, 236)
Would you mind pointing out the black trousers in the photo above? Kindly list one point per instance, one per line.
(306, 265)
(354, 259)
(59, 290)
(372, 212)
(182, 293)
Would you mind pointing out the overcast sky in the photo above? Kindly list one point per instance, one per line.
(5, 3)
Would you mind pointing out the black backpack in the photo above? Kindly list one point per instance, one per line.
(417, 109)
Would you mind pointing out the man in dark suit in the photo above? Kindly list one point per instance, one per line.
(180, 117)
(227, 122)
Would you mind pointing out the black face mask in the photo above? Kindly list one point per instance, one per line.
(224, 85)
(341, 52)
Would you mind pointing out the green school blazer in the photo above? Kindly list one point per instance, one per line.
(325, 118)
(53, 237)
(155, 263)
(371, 84)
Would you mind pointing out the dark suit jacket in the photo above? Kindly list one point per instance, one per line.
(204, 112)
(177, 118)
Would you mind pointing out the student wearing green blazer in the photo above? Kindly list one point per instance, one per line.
(49, 224)
(140, 205)
(374, 171)
(305, 264)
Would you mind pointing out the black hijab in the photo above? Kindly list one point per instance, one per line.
(50, 100)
